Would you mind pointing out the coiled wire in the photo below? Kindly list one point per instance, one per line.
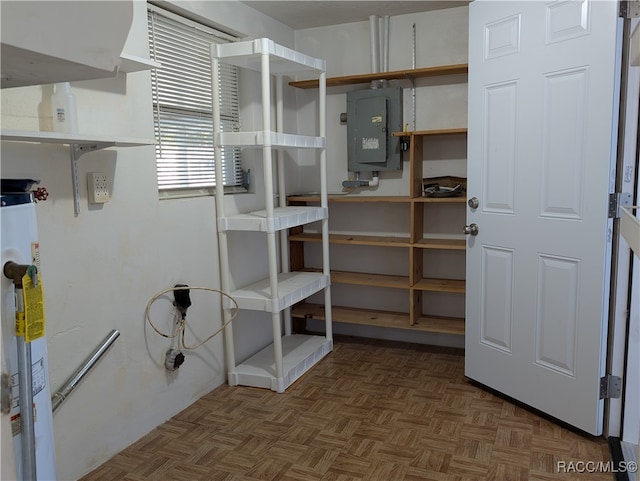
(181, 322)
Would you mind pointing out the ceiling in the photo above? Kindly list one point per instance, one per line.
(300, 14)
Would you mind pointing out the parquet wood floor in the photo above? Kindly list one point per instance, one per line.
(370, 411)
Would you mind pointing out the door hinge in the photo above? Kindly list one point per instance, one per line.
(616, 201)
(610, 387)
(630, 8)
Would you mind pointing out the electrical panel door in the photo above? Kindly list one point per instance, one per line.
(372, 115)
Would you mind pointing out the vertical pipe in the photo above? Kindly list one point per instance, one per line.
(385, 44)
(268, 194)
(324, 200)
(223, 249)
(28, 436)
(375, 54)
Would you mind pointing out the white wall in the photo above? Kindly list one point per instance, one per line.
(441, 39)
(101, 268)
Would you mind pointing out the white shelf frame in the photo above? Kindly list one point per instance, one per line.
(293, 287)
(79, 144)
(283, 218)
(282, 60)
(274, 139)
(285, 360)
(300, 353)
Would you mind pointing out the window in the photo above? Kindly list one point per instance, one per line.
(182, 98)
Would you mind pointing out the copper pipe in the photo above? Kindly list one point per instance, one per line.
(15, 272)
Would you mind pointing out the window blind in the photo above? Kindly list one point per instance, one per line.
(182, 104)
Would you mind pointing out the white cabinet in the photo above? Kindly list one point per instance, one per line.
(290, 355)
(46, 42)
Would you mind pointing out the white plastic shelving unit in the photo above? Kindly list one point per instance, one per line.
(290, 355)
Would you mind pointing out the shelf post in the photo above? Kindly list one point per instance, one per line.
(324, 201)
(269, 207)
(282, 195)
(223, 249)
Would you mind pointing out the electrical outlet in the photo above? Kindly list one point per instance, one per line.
(98, 187)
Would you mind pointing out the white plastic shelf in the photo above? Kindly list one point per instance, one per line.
(292, 287)
(273, 139)
(299, 354)
(70, 139)
(283, 60)
(284, 218)
(133, 63)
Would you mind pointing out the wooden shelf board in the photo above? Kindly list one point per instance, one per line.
(393, 75)
(445, 325)
(372, 199)
(367, 317)
(440, 285)
(352, 198)
(444, 244)
(360, 240)
(366, 279)
(441, 200)
(427, 133)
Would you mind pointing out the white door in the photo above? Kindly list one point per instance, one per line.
(542, 118)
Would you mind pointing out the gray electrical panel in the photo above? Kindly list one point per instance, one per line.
(372, 115)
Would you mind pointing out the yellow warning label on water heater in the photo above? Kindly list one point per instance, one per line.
(33, 308)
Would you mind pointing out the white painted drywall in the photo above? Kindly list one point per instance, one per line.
(101, 268)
